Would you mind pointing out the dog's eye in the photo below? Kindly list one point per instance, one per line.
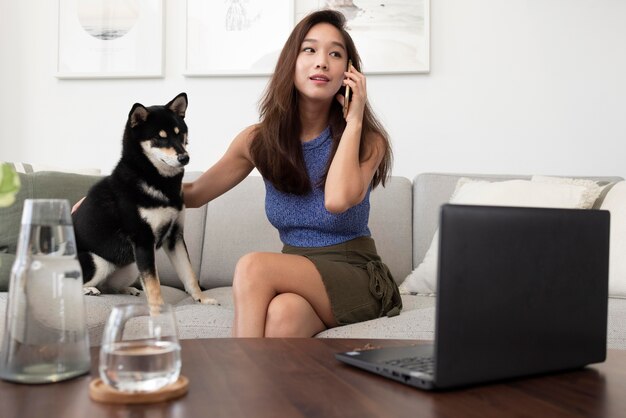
(160, 141)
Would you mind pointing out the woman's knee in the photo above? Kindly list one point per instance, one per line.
(287, 316)
(281, 317)
(248, 271)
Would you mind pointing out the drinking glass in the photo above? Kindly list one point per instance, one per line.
(45, 336)
(140, 350)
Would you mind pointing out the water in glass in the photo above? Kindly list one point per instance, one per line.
(140, 366)
(140, 350)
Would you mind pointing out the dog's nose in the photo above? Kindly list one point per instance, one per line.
(183, 159)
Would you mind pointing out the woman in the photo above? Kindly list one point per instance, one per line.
(318, 169)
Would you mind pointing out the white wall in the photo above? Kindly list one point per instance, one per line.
(516, 86)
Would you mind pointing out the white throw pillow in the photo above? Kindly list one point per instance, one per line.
(615, 202)
(594, 190)
(543, 192)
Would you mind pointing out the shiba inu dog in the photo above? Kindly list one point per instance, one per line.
(126, 216)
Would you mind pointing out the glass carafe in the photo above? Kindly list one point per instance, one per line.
(45, 338)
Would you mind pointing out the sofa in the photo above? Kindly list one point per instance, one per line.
(403, 220)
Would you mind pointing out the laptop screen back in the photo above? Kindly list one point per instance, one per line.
(521, 291)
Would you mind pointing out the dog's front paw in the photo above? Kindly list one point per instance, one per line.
(205, 300)
(133, 291)
(90, 291)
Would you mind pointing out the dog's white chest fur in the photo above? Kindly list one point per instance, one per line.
(157, 218)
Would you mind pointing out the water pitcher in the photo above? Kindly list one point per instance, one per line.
(45, 337)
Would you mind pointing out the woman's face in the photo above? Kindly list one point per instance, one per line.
(321, 63)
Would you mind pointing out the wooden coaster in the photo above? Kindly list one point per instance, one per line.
(101, 392)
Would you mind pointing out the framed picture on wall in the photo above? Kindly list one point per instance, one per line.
(110, 39)
(392, 36)
(236, 37)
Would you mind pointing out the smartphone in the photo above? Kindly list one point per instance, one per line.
(346, 102)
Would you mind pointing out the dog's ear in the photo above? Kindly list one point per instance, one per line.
(138, 114)
(178, 105)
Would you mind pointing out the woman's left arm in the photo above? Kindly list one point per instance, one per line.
(349, 178)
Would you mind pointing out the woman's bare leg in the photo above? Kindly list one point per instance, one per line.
(290, 315)
(260, 277)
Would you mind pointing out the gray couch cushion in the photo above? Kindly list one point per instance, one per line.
(6, 263)
(390, 224)
(207, 321)
(236, 225)
(39, 185)
(416, 321)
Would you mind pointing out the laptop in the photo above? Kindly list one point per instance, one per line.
(521, 291)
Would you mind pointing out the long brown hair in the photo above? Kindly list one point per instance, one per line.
(276, 148)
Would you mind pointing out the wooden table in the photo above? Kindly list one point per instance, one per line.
(301, 378)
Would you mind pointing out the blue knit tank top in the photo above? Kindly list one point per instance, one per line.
(303, 221)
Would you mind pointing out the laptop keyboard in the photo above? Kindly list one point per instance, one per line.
(418, 364)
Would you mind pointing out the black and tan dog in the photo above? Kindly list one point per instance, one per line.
(139, 208)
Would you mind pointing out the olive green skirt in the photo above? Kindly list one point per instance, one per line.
(359, 285)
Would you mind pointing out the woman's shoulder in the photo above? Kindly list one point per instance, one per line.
(250, 130)
(244, 138)
(248, 133)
